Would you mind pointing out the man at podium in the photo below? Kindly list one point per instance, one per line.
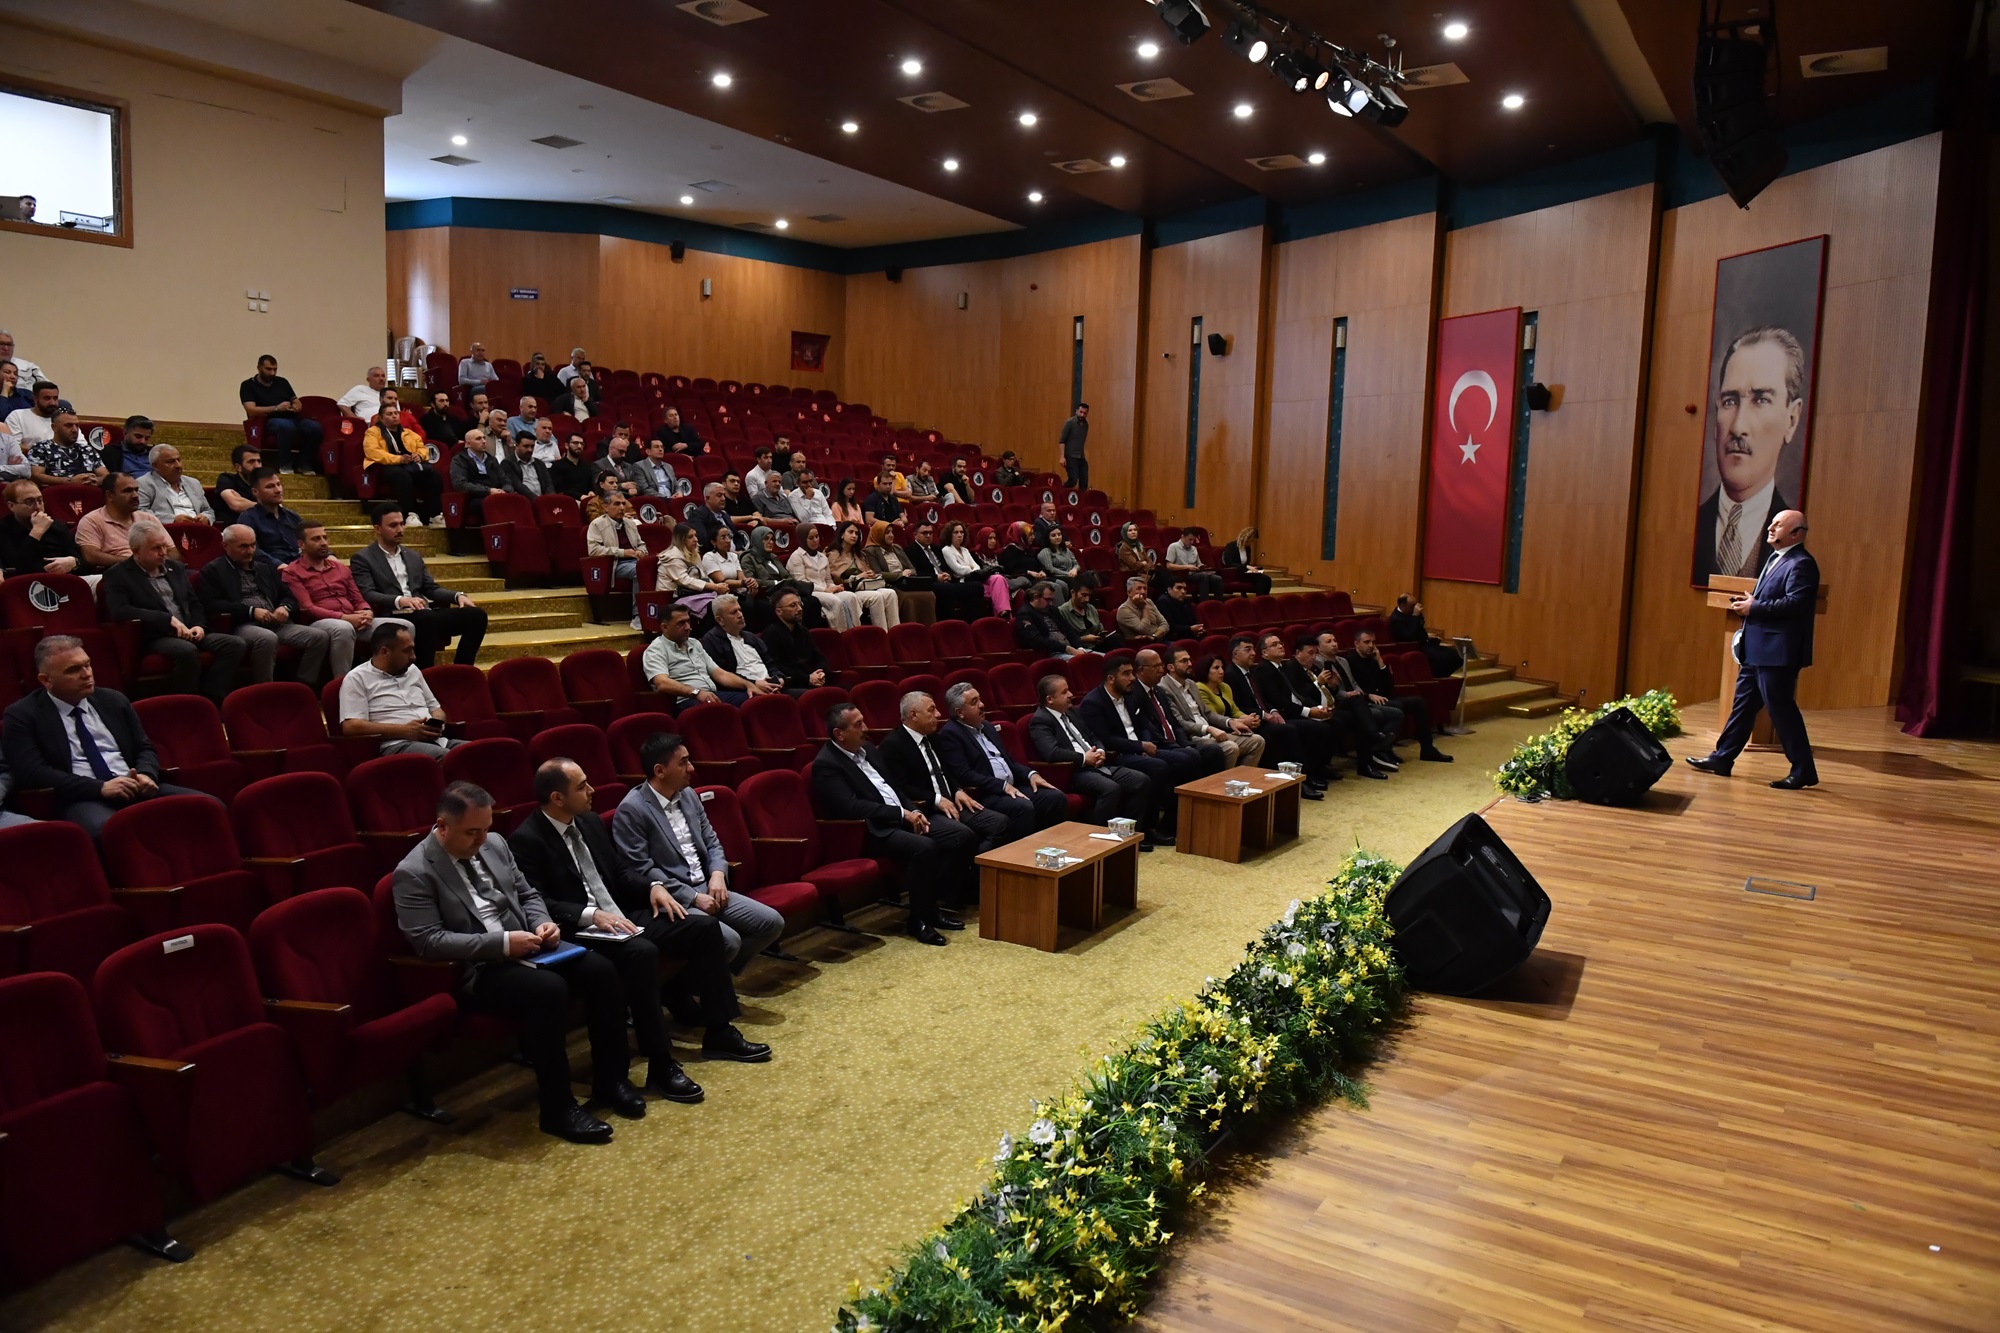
(1773, 646)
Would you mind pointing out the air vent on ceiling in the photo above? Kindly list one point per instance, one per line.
(1276, 162)
(722, 13)
(754, 226)
(557, 141)
(1862, 60)
(612, 199)
(934, 102)
(1434, 76)
(1155, 90)
(454, 160)
(1081, 166)
(826, 217)
(711, 187)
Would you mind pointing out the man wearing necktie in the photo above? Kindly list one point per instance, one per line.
(1055, 736)
(1774, 645)
(971, 749)
(911, 762)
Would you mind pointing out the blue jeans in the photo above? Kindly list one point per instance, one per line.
(291, 443)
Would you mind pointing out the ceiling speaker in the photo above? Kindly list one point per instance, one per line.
(1732, 115)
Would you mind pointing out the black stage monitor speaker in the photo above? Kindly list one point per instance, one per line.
(1616, 760)
(1466, 912)
(1218, 345)
(1731, 114)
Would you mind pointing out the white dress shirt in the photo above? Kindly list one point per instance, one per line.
(813, 508)
(888, 793)
(749, 662)
(370, 694)
(677, 824)
(1124, 715)
(362, 401)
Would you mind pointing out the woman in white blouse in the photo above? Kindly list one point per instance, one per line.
(966, 566)
(680, 573)
(809, 565)
(721, 564)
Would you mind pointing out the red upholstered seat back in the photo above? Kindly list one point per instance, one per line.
(169, 840)
(159, 996)
(48, 1041)
(185, 729)
(47, 869)
(395, 793)
(776, 804)
(627, 734)
(771, 722)
(462, 691)
(879, 702)
(281, 715)
(292, 814)
(814, 705)
(595, 673)
(324, 946)
(725, 812)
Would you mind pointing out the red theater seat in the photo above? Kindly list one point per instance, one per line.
(599, 686)
(1010, 690)
(279, 727)
(788, 839)
(173, 861)
(528, 692)
(716, 743)
(994, 639)
(795, 900)
(776, 738)
(513, 540)
(814, 705)
(462, 692)
(910, 644)
(869, 655)
(586, 747)
(880, 702)
(628, 734)
(295, 830)
(186, 731)
(394, 802)
(56, 910)
(952, 642)
(500, 765)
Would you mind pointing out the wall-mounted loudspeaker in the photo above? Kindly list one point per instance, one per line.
(1539, 397)
(1466, 912)
(677, 250)
(1218, 345)
(893, 274)
(1732, 116)
(1616, 760)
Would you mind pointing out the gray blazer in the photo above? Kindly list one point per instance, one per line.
(648, 853)
(641, 472)
(155, 497)
(377, 581)
(434, 903)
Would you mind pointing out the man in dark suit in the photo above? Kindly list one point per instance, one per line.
(915, 767)
(980, 765)
(788, 647)
(565, 852)
(1111, 712)
(1253, 689)
(85, 743)
(1056, 735)
(265, 613)
(393, 579)
(575, 472)
(1378, 684)
(153, 589)
(1774, 645)
(1161, 725)
(460, 898)
(32, 542)
(1035, 624)
(847, 783)
(476, 474)
(1406, 625)
(1308, 715)
(524, 474)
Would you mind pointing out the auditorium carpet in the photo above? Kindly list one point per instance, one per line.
(897, 1068)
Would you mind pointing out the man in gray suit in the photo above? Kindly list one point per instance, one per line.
(666, 845)
(393, 579)
(168, 493)
(460, 898)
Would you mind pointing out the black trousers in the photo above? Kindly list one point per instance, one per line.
(537, 1000)
(1031, 810)
(1318, 741)
(1078, 469)
(1115, 792)
(1369, 733)
(438, 625)
(941, 858)
(959, 600)
(1166, 770)
(700, 989)
(292, 442)
(413, 486)
(1775, 688)
(1414, 708)
(186, 674)
(1444, 658)
(991, 825)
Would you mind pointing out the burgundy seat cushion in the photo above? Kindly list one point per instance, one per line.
(77, 1180)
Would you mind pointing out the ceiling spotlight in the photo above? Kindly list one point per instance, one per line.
(1247, 42)
(913, 66)
(781, 224)
(1317, 159)
(687, 201)
(951, 164)
(722, 80)
(1243, 110)
(1317, 75)
(1513, 101)
(1455, 32)
(458, 141)
(849, 127)
(1291, 71)
(1118, 160)
(1034, 196)
(1336, 105)
(1147, 50)
(1386, 107)
(1189, 24)
(1028, 118)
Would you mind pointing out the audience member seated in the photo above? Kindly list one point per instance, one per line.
(923, 486)
(1035, 624)
(578, 363)
(653, 474)
(1372, 726)
(850, 569)
(474, 370)
(738, 652)
(765, 576)
(617, 463)
(233, 489)
(1134, 560)
(393, 578)
(795, 660)
(276, 527)
(1307, 712)
(1184, 562)
(168, 493)
(132, 454)
(973, 571)
(679, 439)
(680, 572)
(899, 485)
(761, 459)
(1240, 744)
(84, 743)
(721, 567)
(813, 567)
(846, 504)
(66, 456)
(30, 541)
(36, 424)
(290, 437)
(15, 465)
(666, 844)
(615, 533)
(582, 397)
(1113, 714)
(262, 611)
(710, 517)
(1018, 559)
(1009, 473)
(1138, 619)
(1058, 734)
(1160, 725)
(915, 767)
(547, 448)
(460, 898)
(1247, 687)
(400, 463)
(152, 588)
(1240, 555)
(564, 850)
(1081, 624)
(1046, 522)
(957, 486)
(929, 573)
(771, 502)
(882, 504)
(848, 784)
(475, 474)
(527, 418)
(1372, 674)
(523, 473)
(1060, 564)
(328, 597)
(680, 668)
(977, 763)
(539, 381)
(364, 401)
(736, 505)
(1406, 623)
(884, 560)
(14, 393)
(1178, 609)
(440, 422)
(1220, 706)
(101, 534)
(384, 700)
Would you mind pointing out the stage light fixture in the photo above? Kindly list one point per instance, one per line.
(913, 66)
(1386, 107)
(1185, 18)
(1318, 76)
(721, 80)
(1147, 50)
(951, 164)
(1243, 110)
(1247, 42)
(1118, 160)
(1028, 120)
(1291, 71)
(1455, 32)
(849, 127)
(1338, 107)
(1513, 101)
(1316, 159)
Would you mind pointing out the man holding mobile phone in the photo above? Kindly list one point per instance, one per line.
(385, 699)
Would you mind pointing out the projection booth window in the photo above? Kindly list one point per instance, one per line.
(68, 171)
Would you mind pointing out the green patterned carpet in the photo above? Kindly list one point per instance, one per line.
(897, 1068)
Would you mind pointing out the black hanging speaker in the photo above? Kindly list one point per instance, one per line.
(1616, 760)
(1731, 114)
(893, 274)
(676, 250)
(1466, 912)
(1218, 345)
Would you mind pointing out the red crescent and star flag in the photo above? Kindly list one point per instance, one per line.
(1472, 447)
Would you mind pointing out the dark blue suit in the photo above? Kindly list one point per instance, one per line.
(1167, 768)
(1776, 644)
(967, 765)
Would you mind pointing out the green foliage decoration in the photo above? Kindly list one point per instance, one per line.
(1537, 770)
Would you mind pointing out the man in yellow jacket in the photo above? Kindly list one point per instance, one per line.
(400, 462)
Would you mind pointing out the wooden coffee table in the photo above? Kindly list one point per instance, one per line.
(1213, 823)
(1022, 903)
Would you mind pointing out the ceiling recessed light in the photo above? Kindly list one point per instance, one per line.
(1243, 110)
(1118, 160)
(781, 224)
(1513, 101)
(1147, 50)
(951, 164)
(687, 201)
(458, 141)
(1034, 196)
(1028, 118)
(1316, 159)
(721, 80)
(849, 127)
(1455, 32)
(913, 66)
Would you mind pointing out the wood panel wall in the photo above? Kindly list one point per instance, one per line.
(1879, 209)
(1223, 280)
(1584, 267)
(420, 286)
(1379, 278)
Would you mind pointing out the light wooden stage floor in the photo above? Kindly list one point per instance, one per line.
(1697, 1107)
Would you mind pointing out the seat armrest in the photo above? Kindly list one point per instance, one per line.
(418, 979)
(260, 763)
(154, 909)
(164, 1090)
(320, 1031)
(279, 873)
(14, 942)
(783, 860)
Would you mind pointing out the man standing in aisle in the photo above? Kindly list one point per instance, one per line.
(1075, 432)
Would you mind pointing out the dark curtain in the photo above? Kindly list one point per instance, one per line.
(1934, 625)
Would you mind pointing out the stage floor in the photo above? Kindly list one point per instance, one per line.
(1698, 1107)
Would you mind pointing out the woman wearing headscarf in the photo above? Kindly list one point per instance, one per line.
(851, 572)
(766, 577)
(1240, 556)
(680, 573)
(886, 560)
(810, 566)
(1020, 561)
(1134, 560)
(967, 567)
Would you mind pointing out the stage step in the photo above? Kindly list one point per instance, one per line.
(1555, 703)
(555, 644)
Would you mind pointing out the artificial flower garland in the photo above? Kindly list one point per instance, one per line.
(1539, 766)
(1077, 1217)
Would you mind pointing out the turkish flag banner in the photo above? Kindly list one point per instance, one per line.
(1472, 447)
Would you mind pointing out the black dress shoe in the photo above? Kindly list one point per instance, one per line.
(1795, 781)
(1313, 794)
(726, 1043)
(924, 934)
(576, 1125)
(623, 1099)
(1435, 756)
(946, 921)
(1163, 839)
(1146, 845)
(1708, 763)
(1388, 761)
(1375, 773)
(672, 1083)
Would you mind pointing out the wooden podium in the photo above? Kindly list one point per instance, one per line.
(1722, 590)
